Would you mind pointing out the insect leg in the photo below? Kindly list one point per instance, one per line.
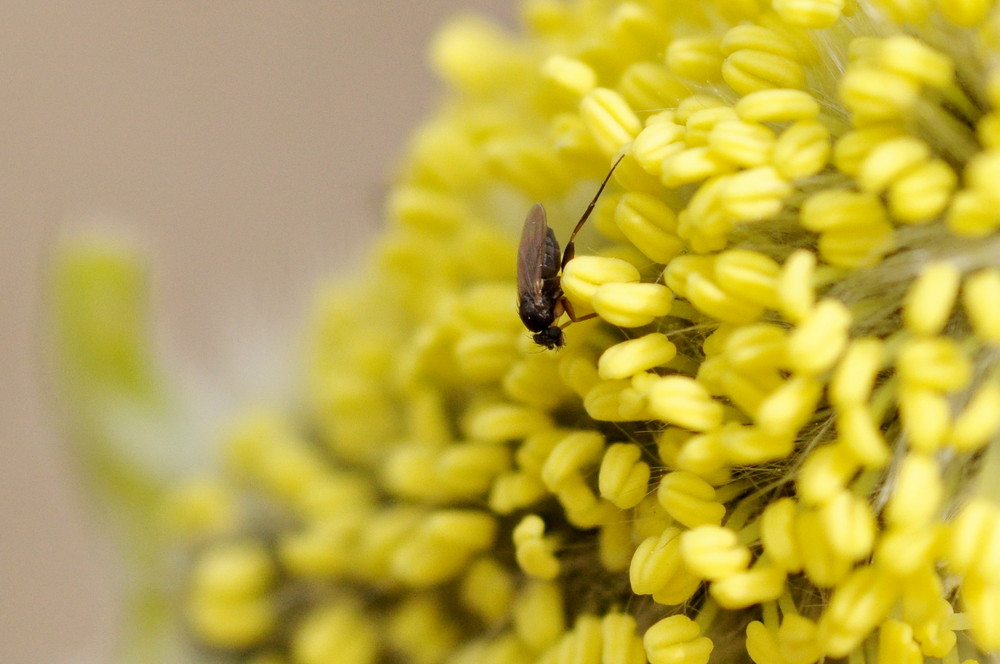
(573, 318)
(570, 250)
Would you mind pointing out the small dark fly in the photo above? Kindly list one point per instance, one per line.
(540, 299)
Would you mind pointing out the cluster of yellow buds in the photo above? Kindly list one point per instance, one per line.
(777, 439)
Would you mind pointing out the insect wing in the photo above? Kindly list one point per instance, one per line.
(531, 252)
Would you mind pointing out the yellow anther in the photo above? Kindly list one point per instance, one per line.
(982, 603)
(973, 544)
(655, 144)
(693, 165)
(777, 533)
(695, 58)
(584, 274)
(857, 606)
(979, 420)
(913, 58)
(860, 435)
(875, 94)
(571, 139)
(762, 645)
(820, 563)
(650, 225)
(707, 297)
(703, 223)
(535, 554)
(680, 270)
(757, 347)
(937, 364)
(809, 13)
(750, 273)
(418, 627)
(512, 491)
(896, 644)
(855, 374)
(649, 519)
(820, 338)
(891, 160)
(236, 570)
(578, 372)
(851, 524)
(755, 37)
(624, 477)
(426, 210)
(535, 379)
(857, 247)
(979, 298)
(628, 358)
(442, 546)
(632, 304)
(754, 194)
(747, 71)
(973, 213)
(676, 640)
(488, 590)
(743, 589)
(656, 562)
(824, 473)
(701, 122)
(604, 401)
(902, 551)
(227, 623)
(538, 615)
(199, 507)
(689, 499)
(750, 445)
(569, 74)
(500, 422)
(615, 544)
(702, 454)
(713, 552)
(536, 448)
(610, 119)
(835, 209)
(648, 85)
(923, 193)
(798, 640)
(485, 356)
(582, 507)
(777, 105)
(930, 299)
(788, 408)
(802, 150)
(795, 285)
(683, 401)
(620, 643)
(982, 171)
(744, 143)
(525, 163)
(337, 631)
(694, 103)
(469, 469)
(965, 13)
(576, 452)
(321, 549)
(852, 148)
(988, 130)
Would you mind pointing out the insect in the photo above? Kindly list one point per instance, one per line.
(540, 299)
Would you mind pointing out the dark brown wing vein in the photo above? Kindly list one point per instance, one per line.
(531, 253)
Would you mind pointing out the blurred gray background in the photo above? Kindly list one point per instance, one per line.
(246, 146)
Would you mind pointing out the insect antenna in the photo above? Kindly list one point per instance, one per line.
(570, 247)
